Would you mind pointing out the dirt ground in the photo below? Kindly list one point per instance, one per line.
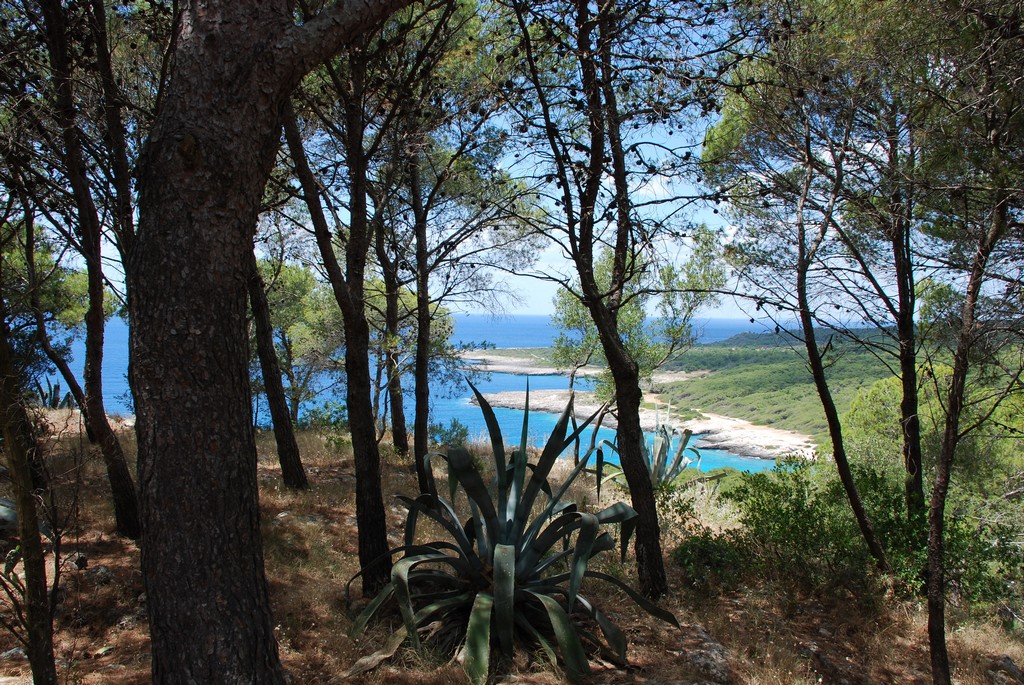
(755, 635)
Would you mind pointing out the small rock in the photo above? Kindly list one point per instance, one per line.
(13, 654)
(706, 656)
(101, 575)
(79, 560)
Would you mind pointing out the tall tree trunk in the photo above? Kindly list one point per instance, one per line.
(650, 563)
(835, 429)
(202, 560)
(90, 236)
(393, 368)
(347, 287)
(806, 253)
(966, 337)
(421, 426)
(122, 486)
(295, 385)
(910, 421)
(600, 85)
(201, 184)
(292, 472)
(900, 229)
(370, 514)
(20, 445)
(205, 167)
(378, 403)
(399, 430)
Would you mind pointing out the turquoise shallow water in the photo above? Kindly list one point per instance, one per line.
(449, 403)
(541, 424)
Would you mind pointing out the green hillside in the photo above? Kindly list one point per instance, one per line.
(763, 377)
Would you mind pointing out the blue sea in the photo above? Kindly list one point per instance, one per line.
(476, 330)
(534, 330)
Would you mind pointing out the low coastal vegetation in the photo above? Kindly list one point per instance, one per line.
(792, 530)
(760, 377)
(763, 378)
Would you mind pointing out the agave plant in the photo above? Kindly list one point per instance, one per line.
(50, 397)
(512, 571)
(664, 456)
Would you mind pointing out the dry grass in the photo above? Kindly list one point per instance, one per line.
(770, 635)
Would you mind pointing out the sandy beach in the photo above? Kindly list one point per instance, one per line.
(717, 431)
(534, 364)
(529, 363)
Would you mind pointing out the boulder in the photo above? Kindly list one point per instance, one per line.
(1002, 671)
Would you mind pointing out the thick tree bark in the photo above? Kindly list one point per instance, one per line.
(202, 177)
(206, 164)
(20, 445)
(292, 472)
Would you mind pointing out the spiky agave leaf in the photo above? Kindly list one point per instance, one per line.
(504, 575)
(680, 461)
(505, 595)
(573, 656)
(662, 468)
(478, 639)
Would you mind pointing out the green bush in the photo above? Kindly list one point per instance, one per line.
(329, 416)
(512, 572)
(711, 562)
(455, 434)
(799, 525)
(330, 420)
(984, 559)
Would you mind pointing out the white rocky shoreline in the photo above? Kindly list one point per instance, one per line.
(716, 431)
